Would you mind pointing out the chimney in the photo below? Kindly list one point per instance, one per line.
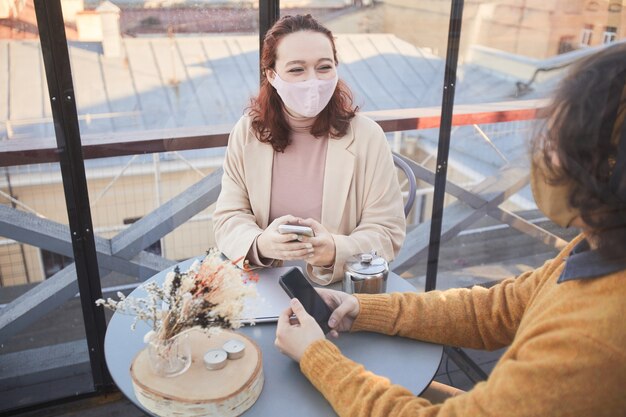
(71, 8)
(111, 34)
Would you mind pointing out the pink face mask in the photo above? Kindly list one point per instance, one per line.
(307, 98)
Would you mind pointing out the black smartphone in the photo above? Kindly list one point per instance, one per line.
(297, 286)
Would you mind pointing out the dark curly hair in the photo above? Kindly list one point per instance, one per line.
(584, 128)
(268, 120)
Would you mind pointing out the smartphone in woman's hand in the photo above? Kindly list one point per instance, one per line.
(298, 230)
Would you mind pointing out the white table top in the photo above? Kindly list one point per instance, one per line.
(286, 392)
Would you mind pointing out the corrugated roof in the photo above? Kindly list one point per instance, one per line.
(162, 82)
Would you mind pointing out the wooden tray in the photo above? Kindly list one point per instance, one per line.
(201, 392)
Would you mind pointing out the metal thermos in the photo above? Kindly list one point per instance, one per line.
(365, 273)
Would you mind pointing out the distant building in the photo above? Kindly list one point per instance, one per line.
(532, 28)
(11, 8)
(150, 17)
(18, 19)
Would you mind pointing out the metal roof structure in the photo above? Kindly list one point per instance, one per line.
(193, 81)
(186, 81)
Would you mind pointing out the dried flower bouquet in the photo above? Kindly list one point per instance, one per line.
(209, 295)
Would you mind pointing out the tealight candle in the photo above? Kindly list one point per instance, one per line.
(215, 359)
(234, 348)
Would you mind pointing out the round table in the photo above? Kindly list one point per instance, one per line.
(286, 391)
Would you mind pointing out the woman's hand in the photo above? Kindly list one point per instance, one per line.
(274, 245)
(323, 244)
(345, 310)
(293, 339)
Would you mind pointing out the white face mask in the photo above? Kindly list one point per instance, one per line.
(306, 98)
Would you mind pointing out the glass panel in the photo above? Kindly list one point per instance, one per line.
(42, 339)
(512, 55)
(123, 190)
(162, 65)
(161, 69)
(148, 74)
(382, 59)
(43, 350)
(391, 54)
(177, 83)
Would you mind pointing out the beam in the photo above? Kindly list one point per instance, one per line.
(44, 374)
(46, 234)
(394, 120)
(485, 197)
(37, 302)
(269, 13)
(168, 216)
(475, 201)
(457, 218)
(527, 227)
(24, 151)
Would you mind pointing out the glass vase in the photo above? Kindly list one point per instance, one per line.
(170, 357)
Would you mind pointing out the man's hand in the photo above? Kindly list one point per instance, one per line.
(293, 339)
(345, 310)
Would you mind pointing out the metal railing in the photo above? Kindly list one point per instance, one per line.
(124, 253)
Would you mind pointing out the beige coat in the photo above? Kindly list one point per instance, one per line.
(362, 205)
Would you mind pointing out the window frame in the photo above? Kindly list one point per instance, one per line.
(586, 35)
(609, 35)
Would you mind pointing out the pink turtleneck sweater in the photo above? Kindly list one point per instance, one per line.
(297, 177)
(298, 173)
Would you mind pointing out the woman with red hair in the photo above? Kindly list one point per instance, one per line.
(301, 155)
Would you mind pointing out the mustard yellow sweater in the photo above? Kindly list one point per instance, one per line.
(567, 353)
